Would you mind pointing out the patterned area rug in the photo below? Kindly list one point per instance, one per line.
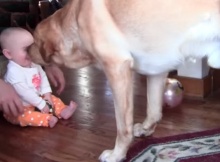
(193, 147)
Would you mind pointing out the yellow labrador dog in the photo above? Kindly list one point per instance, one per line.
(150, 37)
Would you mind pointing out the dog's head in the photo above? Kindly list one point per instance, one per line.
(48, 43)
(57, 41)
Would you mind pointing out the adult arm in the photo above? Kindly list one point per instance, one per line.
(56, 77)
(45, 88)
(10, 102)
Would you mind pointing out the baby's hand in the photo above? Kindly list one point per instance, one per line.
(47, 97)
(45, 109)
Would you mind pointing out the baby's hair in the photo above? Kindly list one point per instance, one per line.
(5, 34)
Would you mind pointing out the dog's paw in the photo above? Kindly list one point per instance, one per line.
(140, 131)
(109, 156)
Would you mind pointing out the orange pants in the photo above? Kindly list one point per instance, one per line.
(31, 117)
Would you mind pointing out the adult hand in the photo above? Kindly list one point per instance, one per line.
(56, 77)
(10, 102)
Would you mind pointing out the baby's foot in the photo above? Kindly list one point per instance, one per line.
(52, 121)
(67, 112)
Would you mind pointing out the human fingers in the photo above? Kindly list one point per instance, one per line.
(62, 84)
(19, 106)
(13, 109)
(53, 79)
(5, 109)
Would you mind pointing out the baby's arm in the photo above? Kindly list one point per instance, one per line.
(45, 85)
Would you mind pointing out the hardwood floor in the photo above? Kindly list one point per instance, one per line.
(92, 128)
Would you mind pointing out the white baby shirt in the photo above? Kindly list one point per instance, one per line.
(30, 83)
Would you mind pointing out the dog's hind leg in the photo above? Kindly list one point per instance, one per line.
(120, 76)
(155, 88)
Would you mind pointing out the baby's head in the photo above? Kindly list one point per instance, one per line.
(15, 42)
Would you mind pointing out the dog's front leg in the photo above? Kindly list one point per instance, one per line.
(119, 74)
(155, 88)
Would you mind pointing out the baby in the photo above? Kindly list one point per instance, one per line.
(30, 82)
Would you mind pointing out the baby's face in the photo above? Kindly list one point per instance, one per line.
(18, 49)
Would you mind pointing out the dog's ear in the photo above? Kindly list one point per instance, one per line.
(47, 50)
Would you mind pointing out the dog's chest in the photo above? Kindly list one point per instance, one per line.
(151, 64)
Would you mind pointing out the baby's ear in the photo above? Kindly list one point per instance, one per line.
(6, 53)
